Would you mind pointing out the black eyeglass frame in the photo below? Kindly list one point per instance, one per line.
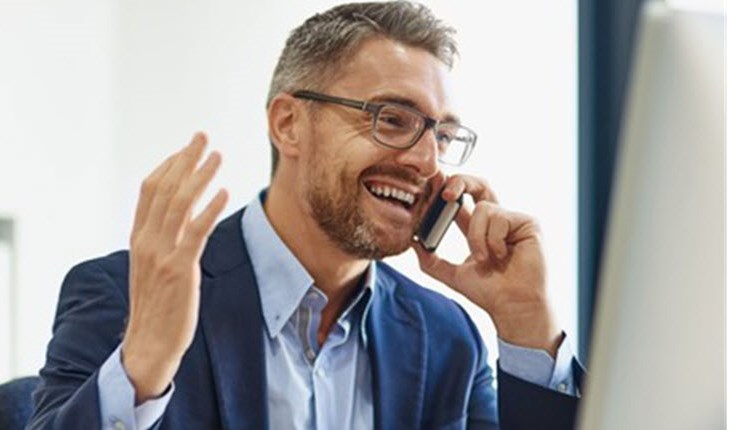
(374, 108)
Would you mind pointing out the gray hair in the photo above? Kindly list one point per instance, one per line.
(316, 49)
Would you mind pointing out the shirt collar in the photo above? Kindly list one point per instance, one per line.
(358, 308)
(282, 280)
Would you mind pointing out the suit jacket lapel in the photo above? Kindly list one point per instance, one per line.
(232, 326)
(397, 345)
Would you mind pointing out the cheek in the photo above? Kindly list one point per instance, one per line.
(346, 153)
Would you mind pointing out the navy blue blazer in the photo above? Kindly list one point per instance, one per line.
(428, 361)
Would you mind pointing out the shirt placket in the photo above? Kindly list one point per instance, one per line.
(322, 387)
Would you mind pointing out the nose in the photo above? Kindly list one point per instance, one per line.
(423, 156)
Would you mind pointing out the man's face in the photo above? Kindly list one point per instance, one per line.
(348, 174)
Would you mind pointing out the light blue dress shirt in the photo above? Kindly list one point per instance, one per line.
(309, 386)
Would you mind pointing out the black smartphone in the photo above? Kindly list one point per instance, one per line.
(436, 221)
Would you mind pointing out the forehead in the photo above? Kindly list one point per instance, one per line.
(385, 69)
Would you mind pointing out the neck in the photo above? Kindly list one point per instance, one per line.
(335, 273)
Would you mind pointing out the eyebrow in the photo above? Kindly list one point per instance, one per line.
(411, 104)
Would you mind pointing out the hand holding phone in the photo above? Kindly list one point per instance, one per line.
(505, 273)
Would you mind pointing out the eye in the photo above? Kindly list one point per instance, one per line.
(393, 120)
(444, 137)
(396, 119)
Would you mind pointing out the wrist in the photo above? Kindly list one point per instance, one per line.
(530, 327)
(150, 376)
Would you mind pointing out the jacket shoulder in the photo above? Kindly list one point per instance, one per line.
(443, 315)
(109, 273)
(114, 264)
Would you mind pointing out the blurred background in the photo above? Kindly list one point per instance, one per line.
(95, 93)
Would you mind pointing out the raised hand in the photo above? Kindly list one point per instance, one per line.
(164, 275)
(505, 273)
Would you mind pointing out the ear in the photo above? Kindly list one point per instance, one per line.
(284, 124)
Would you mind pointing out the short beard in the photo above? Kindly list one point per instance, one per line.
(340, 218)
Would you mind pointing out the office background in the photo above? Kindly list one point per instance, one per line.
(95, 93)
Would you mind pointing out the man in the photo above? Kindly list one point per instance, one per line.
(283, 316)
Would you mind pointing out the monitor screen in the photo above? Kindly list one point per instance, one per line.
(658, 352)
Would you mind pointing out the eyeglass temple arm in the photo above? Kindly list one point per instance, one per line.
(361, 105)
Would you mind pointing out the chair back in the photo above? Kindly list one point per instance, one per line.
(16, 404)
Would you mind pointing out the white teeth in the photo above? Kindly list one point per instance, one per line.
(387, 191)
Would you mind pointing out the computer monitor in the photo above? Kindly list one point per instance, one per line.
(658, 351)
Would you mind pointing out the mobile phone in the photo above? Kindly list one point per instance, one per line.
(436, 221)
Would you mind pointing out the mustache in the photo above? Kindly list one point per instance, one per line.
(404, 175)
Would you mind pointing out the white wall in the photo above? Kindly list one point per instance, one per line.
(56, 112)
(517, 86)
(145, 75)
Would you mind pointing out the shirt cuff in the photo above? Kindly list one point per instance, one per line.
(116, 398)
(538, 367)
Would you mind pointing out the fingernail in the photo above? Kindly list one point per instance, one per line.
(199, 138)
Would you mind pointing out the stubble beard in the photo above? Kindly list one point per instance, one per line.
(340, 217)
(336, 209)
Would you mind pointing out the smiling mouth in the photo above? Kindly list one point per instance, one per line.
(392, 195)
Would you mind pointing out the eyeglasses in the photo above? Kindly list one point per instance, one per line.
(400, 127)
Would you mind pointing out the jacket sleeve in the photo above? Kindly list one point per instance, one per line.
(520, 404)
(523, 405)
(88, 327)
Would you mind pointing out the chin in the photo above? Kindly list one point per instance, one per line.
(392, 241)
(399, 239)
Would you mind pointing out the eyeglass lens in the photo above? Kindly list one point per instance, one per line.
(398, 127)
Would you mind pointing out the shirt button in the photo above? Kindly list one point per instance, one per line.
(321, 372)
(118, 425)
(562, 387)
(310, 354)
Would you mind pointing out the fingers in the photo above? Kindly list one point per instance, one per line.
(491, 230)
(438, 268)
(166, 187)
(146, 194)
(200, 228)
(497, 232)
(477, 232)
(489, 226)
(475, 187)
(169, 194)
(181, 205)
(463, 220)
